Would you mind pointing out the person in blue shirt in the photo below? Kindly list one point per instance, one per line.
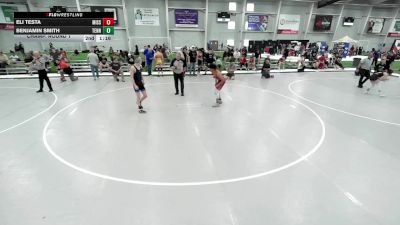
(149, 53)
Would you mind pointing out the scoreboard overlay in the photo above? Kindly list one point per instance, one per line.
(68, 26)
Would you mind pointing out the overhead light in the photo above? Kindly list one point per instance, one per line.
(231, 25)
(232, 6)
(230, 42)
(246, 25)
(250, 7)
(246, 42)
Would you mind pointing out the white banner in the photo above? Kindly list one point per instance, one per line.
(147, 17)
(375, 25)
(288, 24)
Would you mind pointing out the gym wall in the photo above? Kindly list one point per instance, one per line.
(142, 35)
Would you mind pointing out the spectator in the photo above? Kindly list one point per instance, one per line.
(266, 69)
(281, 63)
(149, 53)
(236, 55)
(93, 61)
(103, 64)
(159, 62)
(76, 52)
(210, 59)
(243, 62)
(252, 63)
(14, 57)
(301, 65)
(192, 61)
(200, 60)
(376, 57)
(116, 70)
(136, 51)
(179, 66)
(257, 56)
(4, 61)
(321, 62)
(231, 68)
(131, 59)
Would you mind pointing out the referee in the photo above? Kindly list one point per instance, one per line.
(39, 64)
(364, 69)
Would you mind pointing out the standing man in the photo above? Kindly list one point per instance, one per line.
(193, 58)
(149, 53)
(376, 56)
(93, 61)
(39, 63)
(364, 69)
(178, 66)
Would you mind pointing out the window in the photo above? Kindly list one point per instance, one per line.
(250, 7)
(230, 42)
(231, 25)
(246, 42)
(232, 6)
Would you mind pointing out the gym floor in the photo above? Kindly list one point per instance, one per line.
(305, 149)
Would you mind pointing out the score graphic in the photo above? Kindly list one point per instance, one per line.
(108, 26)
(76, 26)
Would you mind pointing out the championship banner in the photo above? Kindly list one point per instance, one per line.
(288, 24)
(147, 17)
(186, 18)
(323, 23)
(395, 29)
(257, 23)
(375, 25)
(106, 9)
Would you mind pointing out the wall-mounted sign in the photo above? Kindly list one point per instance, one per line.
(186, 18)
(322, 23)
(147, 17)
(288, 24)
(257, 22)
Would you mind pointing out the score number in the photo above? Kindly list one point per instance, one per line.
(108, 26)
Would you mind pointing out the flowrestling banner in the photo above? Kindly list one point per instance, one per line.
(147, 17)
(288, 24)
(257, 22)
(186, 18)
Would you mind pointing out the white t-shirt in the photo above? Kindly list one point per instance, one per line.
(93, 59)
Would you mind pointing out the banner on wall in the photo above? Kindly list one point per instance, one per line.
(346, 49)
(7, 13)
(257, 22)
(106, 9)
(322, 23)
(147, 17)
(288, 24)
(375, 25)
(186, 18)
(395, 29)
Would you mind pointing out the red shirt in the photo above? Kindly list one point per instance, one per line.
(63, 64)
(243, 60)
